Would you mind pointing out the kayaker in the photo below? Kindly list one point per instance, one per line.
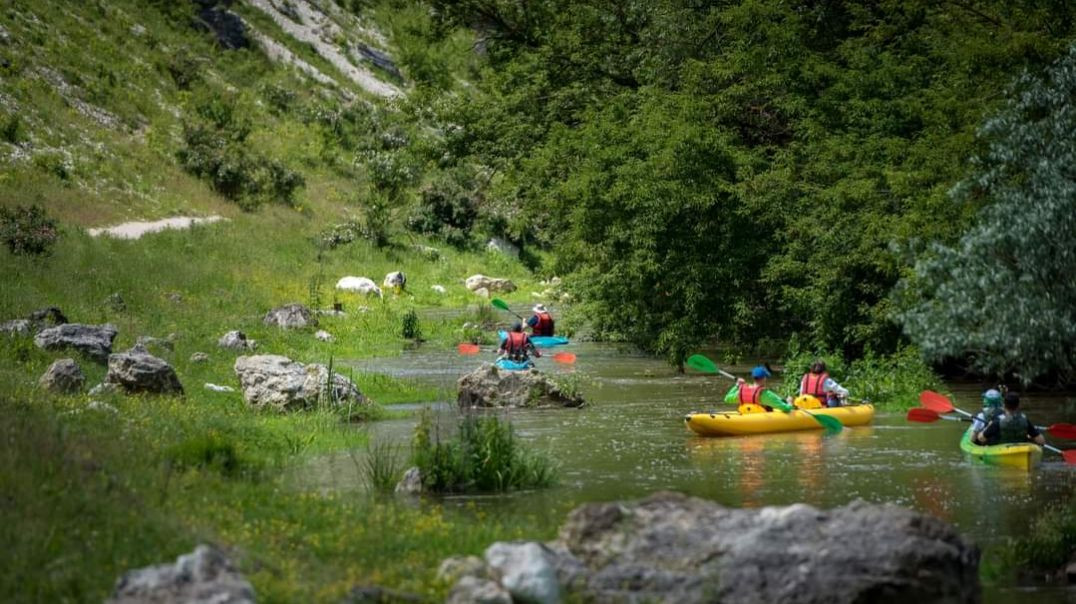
(756, 397)
(541, 323)
(1012, 426)
(517, 346)
(991, 410)
(820, 385)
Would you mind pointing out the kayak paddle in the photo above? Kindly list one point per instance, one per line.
(925, 415)
(701, 363)
(564, 357)
(466, 348)
(1069, 456)
(501, 304)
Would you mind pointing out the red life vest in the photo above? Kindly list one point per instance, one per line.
(516, 344)
(814, 384)
(544, 326)
(750, 393)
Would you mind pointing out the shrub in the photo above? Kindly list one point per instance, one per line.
(895, 379)
(27, 230)
(486, 457)
(409, 326)
(448, 208)
(11, 129)
(205, 451)
(376, 221)
(1048, 544)
(340, 234)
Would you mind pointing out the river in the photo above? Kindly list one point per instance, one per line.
(630, 440)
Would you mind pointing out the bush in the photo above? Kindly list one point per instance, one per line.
(11, 129)
(206, 451)
(27, 230)
(1048, 544)
(448, 208)
(382, 467)
(409, 326)
(340, 234)
(895, 379)
(485, 458)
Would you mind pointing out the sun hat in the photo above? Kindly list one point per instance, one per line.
(539, 308)
(992, 398)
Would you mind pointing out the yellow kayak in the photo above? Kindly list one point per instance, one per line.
(735, 424)
(1011, 455)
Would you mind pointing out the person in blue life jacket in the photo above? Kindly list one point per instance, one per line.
(517, 346)
(991, 410)
(1012, 426)
(541, 323)
(756, 397)
(820, 385)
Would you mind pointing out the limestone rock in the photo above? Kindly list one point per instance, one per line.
(199, 357)
(102, 407)
(411, 483)
(472, 590)
(455, 568)
(218, 388)
(500, 246)
(95, 341)
(489, 386)
(483, 292)
(491, 284)
(323, 335)
(291, 316)
(285, 385)
(203, 576)
(104, 389)
(236, 340)
(359, 285)
(526, 570)
(138, 371)
(17, 327)
(394, 280)
(438, 288)
(63, 376)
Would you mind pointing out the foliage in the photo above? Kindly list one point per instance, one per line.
(447, 207)
(28, 230)
(12, 129)
(486, 457)
(206, 451)
(1048, 544)
(999, 297)
(410, 328)
(382, 466)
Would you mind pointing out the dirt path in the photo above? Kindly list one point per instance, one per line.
(134, 230)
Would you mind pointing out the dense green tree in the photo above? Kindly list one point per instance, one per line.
(1004, 296)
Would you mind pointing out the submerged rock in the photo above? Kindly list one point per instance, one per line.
(204, 575)
(291, 316)
(63, 376)
(138, 371)
(95, 341)
(285, 385)
(674, 548)
(489, 386)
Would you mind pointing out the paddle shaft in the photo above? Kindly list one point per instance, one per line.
(501, 304)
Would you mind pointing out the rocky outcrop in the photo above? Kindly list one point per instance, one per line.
(63, 376)
(490, 284)
(95, 341)
(277, 382)
(204, 575)
(489, 386)
(236, 340)
(394, 280)
(137, 371)
(679, 549)
(226, 26)
(359, 285)
(291, 316)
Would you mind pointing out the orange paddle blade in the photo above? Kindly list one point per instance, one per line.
(466, 348)
(921, 415)
(939, 403)
(1062, 431)
(564, 357)
(1069, 457)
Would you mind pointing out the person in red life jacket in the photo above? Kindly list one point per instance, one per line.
(756, 397)
(818, 384)
(518, 346)
(541, 323)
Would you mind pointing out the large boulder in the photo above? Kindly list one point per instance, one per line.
(489, 386)
(95, 341)
(291, 316)
(277, 382)
(64, 376)
(204, 575)
(359, 285)
(490, 284)
(679, 549)
(138, 371)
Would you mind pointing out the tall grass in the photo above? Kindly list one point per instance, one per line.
(382, 466)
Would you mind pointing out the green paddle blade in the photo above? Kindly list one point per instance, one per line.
(830, 423)
(701, 363)
(501, 304)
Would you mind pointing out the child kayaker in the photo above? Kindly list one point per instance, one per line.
(756, 397)
(820, 385)
(991, 411)
(518, 346)
(1012, 426)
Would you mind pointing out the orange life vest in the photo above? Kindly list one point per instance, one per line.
(544, 326)
(750, 393)
(814, 384)
(516, 344)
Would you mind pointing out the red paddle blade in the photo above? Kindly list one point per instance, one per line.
(466, 348)
(564, 357)
(1067, 431)
(924, 416)
(1069, 456)
(938, 403)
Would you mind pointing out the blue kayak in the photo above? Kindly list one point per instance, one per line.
(540, 341)
(513, 365)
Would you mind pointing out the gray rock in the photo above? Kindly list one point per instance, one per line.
(411, 483)
(679, 549)
(236, 340)
(323, 335)
(490, 284)
(17, 327)
(115, 302)
(63, 376)
(455, 568)
(472, 590)
(217, 388)
(291, 316)
(526, 570)
(104, 389)
(138, 371)
(50, 315)
(378, 58)
(280, 383)
(102, 407)
(394, 280)
(501, 246)
(150, 342)
(199, 357)
(440, 289)
(429, 253)
(174, 297)
(204, 576)
(95, 341)
(489, 386)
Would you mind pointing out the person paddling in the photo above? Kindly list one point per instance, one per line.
(991, 411)
(517, 346)
(820, 385)
(1012, 426)
(541, 323)
(756, 397)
